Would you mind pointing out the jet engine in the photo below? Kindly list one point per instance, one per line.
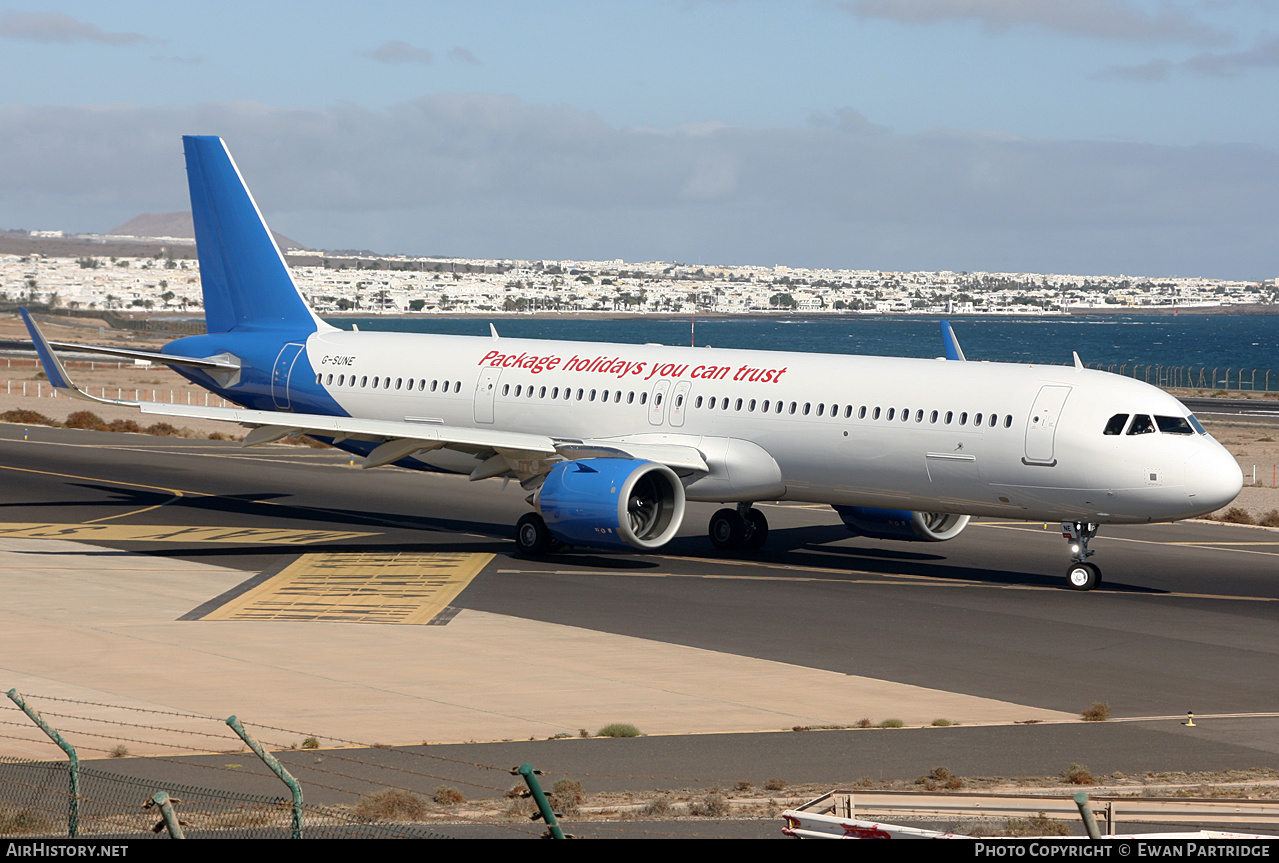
(902, 524)
(611, 502)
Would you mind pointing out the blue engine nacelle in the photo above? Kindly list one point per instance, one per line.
(902, 524)
(611, 502)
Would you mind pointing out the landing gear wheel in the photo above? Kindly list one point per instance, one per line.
(758, 533)
(531, 536)
(727, 530)
(1083, 576)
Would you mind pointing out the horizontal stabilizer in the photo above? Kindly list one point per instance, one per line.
(227, 364)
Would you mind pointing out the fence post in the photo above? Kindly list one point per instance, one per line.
(539, 797)
(73, 801)
(277, 768)
(162, 799)
(1090, 820)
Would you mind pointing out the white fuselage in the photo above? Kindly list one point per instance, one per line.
(1021, 441)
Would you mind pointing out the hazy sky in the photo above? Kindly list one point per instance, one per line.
(1085, 136)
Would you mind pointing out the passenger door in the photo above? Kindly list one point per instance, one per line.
(1041, 426)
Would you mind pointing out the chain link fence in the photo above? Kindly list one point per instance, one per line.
(35, 802)
(1196, 377)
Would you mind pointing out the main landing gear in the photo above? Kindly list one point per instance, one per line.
(744, 527)
(1082, 575)
(532, 538)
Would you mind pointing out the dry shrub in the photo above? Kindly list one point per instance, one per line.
(1099, 712)
(1036, 825)
(23, 416)
(446, 796)
(892, 723)
(391, 804)
(20, 821)
(1237, 515)
(163, 429)
(521, 808)
(128, 426)
(1077, 774)
(567, 797)
(1270, 519)
(655, 807)
(774, 784)
(120, 751)
(85, 420)
(940, 778)
(713, 805)
(864, 723)
(618, 729)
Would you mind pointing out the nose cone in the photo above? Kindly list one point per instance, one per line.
(1213, 479)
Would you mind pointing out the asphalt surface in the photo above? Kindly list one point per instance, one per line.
(1185, 618)
(1184, 621)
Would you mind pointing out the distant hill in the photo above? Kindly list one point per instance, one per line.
(178, 225)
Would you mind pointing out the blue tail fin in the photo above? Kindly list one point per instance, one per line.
(246, 283)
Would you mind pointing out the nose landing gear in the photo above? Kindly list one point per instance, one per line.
(1082, 575)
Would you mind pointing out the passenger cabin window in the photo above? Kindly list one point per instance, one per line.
(1115, 425)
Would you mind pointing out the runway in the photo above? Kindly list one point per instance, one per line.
(388, 604)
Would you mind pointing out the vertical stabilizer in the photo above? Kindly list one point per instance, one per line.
(246, 283)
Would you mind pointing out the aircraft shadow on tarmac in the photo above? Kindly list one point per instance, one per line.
(824, 547)
(259, 506)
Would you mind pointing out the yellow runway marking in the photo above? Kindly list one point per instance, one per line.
(173, 533)
(100, 479)
(1221, 543)
(134, 511)
(375, 587)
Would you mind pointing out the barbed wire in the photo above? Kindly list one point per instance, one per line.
(135, 725)
(414, 751)
(187, 714)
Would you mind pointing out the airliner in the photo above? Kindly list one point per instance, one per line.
(608, 441)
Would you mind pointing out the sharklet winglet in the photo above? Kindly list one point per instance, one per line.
(951, 343)
(53, 369)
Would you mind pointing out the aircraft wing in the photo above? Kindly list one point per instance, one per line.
(504, 453)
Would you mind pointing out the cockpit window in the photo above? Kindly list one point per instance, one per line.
(1115, 425)
(1194, 423)
(1173, 425)
(1141, 424)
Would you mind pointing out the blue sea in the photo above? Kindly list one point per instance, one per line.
(1224, 341)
